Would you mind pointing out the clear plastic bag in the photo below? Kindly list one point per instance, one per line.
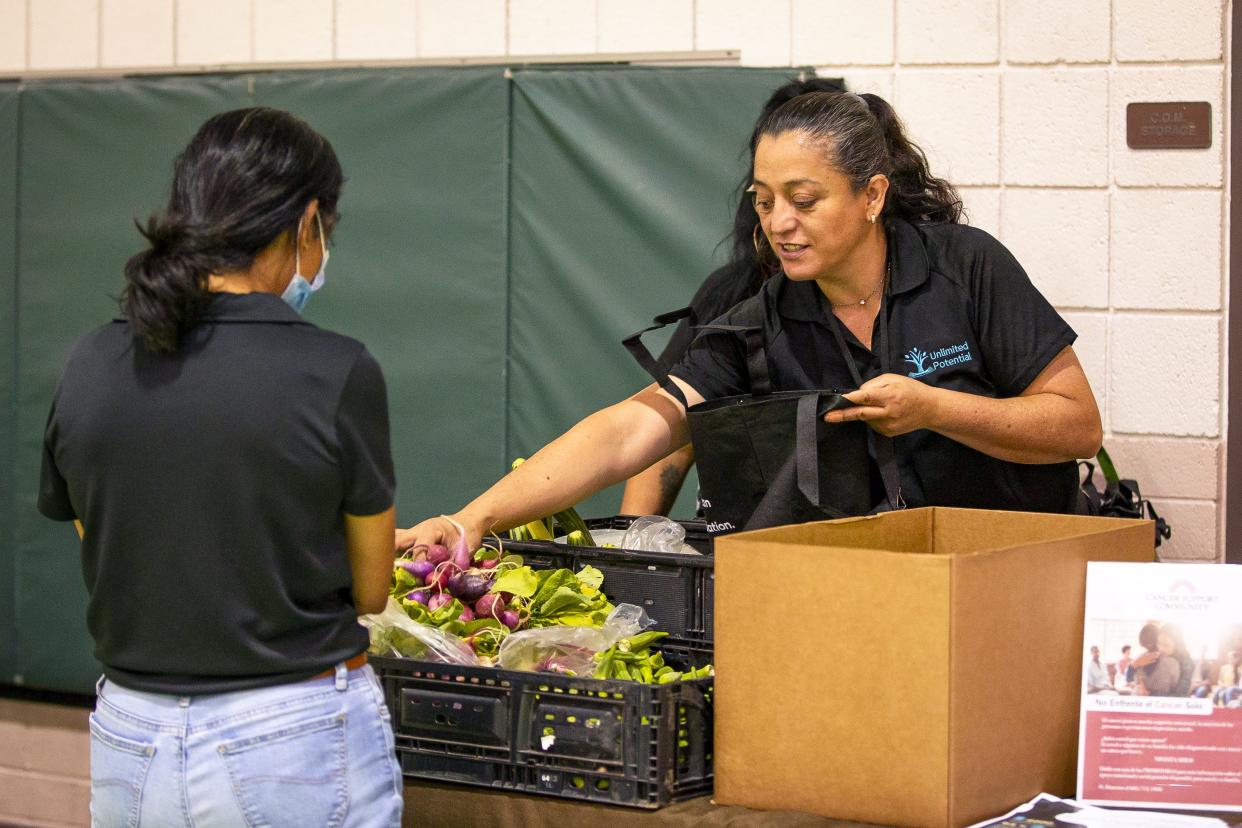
(393, 633)
(570, 650)
(653, 533)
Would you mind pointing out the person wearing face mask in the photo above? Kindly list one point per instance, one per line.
(227, 466)
(963, 374)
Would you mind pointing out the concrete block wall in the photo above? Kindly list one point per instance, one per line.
(1019, 102)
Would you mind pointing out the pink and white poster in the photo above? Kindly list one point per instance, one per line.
(1161, 717)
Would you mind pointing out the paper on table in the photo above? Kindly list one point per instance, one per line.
(1092, 817)
(1046, 808)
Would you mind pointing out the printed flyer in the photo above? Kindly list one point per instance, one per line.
(1161, 717)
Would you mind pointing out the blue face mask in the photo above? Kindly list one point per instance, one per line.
(299, 291)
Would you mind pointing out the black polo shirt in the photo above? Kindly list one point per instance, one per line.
(212, 484)
(962, 314)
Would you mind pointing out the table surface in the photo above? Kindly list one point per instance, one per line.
(466, 806)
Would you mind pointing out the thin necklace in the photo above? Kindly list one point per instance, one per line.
(888, 269)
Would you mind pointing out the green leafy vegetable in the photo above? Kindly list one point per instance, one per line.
(592, 577)
(520, 582)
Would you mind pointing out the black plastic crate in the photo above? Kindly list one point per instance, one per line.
(676, 590)
(618, 742)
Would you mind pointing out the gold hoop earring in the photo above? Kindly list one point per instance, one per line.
(765, 257)
(871, 218)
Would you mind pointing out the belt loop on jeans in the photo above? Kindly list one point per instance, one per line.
(99, 686)
(342, 676)
(352, 664)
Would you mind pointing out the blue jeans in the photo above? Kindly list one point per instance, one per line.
(312, 753)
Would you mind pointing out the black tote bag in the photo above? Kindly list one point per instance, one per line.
(767, 458)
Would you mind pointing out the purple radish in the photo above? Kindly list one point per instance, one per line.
(489, 606)
(469, 588)
(440, 576)
(438, 553)
(438, 600)
(510, 619)
(419, 595)
(462, 556)
(466, 615)
(461, 553)
(419, 569)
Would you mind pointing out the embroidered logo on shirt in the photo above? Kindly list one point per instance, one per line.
(924, 363)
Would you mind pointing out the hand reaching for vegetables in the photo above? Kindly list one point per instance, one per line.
(890, 403)
(404, 540)
(446, 530)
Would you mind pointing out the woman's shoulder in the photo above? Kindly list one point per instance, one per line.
(342, 343)
(949, 242)
(969, 256)
(101, 345)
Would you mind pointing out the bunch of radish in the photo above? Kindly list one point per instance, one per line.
(483, 595)
(440, 575)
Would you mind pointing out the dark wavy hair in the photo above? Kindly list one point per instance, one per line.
(864, 137)
(745, 219)
(243, 180)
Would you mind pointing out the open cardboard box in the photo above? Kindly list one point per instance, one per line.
(917, 668)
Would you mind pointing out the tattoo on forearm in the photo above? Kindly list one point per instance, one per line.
(670, 484)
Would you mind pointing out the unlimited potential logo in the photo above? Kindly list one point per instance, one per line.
(924, 363)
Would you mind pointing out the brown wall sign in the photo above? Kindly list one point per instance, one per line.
(1184, 125)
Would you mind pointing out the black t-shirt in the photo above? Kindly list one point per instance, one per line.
(962, 314)
(212, 484)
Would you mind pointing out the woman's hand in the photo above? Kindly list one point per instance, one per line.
(891, 404)
(442, 530)
(1053, 420)
(404, 540)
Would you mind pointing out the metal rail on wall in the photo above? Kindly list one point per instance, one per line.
(707, 57)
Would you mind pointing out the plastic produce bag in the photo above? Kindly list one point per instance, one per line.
(570, 650)
(653, 533)
(393, 633)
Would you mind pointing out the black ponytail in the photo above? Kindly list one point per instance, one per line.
(166, 286)
(865, 137)
(245, 178)
(914, 193)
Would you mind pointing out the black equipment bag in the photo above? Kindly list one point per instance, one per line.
(767, 458)
(1120, 498)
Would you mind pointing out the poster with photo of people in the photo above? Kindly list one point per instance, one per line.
(1161, 718)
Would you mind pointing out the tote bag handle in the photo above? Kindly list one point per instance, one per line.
(809, 413)
(756, 359)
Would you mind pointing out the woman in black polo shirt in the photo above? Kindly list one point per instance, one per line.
(951, 349)
(228, 468)
(653, 491)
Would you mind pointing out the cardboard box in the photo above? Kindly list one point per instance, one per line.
(915, 668)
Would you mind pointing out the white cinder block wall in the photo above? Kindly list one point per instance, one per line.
(1019, 102)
